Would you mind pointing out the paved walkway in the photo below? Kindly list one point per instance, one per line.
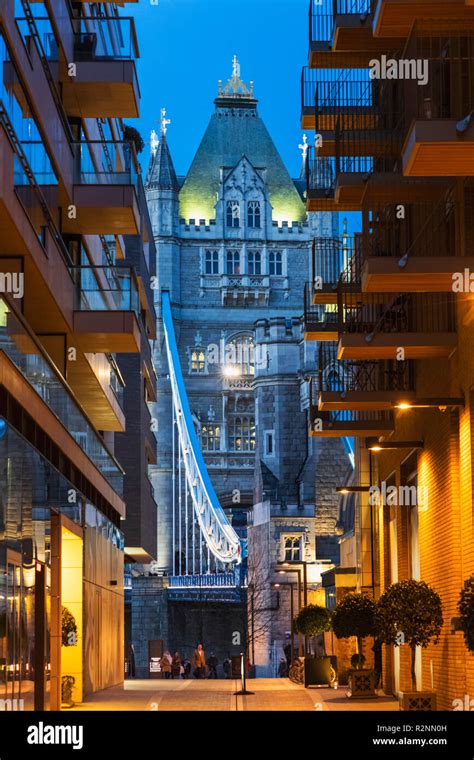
(270, 694)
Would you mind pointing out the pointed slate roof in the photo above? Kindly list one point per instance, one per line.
(161, 173)
(236, 130)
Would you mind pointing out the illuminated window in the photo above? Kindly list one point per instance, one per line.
(254, 262)
(212, 262)
(198, 361)
(253, 214)
(242, 433)
(211, 437)
(292, 548)
(233, 214)
(233, 262)
(240, 353)
(275, 261)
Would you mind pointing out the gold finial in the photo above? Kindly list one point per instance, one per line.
(235, 87)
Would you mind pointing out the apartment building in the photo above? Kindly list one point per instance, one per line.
(76, 318)
(389, 93)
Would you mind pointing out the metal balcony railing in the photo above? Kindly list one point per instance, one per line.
(105, 288)
(343, 375)
(105, 38)
(351, 417)
(105, 162)
(449, 90)
(320, 175)
(331, 257)
(318, 318)
(322, 14)
(372, 313)
(427, 230)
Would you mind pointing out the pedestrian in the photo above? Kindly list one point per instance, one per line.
(227, 667)
(212, 664)
(166, 662)
(176, 666)
(187, 667)
(199, 662)
(283, 668)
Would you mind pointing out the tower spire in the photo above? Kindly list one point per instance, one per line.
(235, 89)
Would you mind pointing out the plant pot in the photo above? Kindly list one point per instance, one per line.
(418, 701)
(361, 684)
(320, 671)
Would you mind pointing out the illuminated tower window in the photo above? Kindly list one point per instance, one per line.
(198, 361)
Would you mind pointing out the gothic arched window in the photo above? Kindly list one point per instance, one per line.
(275, 261)
(240, 354)
(254, 261)
(233, 262)
(233, 213)
(292, 548)
(254, 214)
(242, 433)
(198, 361)
(211, 437)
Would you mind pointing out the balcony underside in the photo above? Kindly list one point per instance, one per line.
(369, 143)
(358, 118)
(322, 56)
(96, 397)
(382, 274)
(387, 345)
(356, 429)
(104, 89)
(104, 210)
(363, 400)
(320, 201)
(320, 332)
(395, 18)
(434, 149)
(327, 295)
(107, 331)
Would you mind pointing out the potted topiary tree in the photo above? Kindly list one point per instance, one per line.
(355, 616)
(466, 612)
(67, 685)
(312, 621)
(410, 612)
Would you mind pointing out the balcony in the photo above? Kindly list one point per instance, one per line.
(350, 423)
(382, 325)
(244, 289)
(395, 18)
(106, 309)
(363, 385)
(420, 253)
(105, 193)
(105, 84)
(439, 137)
(320, 323)
(41, 390)
(332, 96)
(334, 258)
(340, 33)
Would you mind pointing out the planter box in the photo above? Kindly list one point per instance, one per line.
(362, 683)
(418, 701)
(319, 671)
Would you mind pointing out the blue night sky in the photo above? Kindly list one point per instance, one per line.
(187, 45)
